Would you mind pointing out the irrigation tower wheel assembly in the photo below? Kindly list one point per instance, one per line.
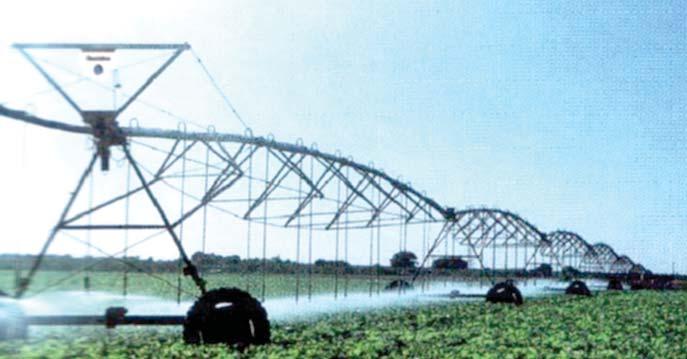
(505, 292)
(578, 287)
(229, 316)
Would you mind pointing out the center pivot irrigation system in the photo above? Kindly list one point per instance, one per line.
(275, 185)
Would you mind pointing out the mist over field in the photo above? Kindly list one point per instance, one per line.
(279, 308)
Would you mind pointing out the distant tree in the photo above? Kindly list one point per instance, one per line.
(404, 259)
(450, 262)
(331, 264)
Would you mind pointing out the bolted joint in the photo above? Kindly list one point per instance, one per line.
(450, 213)
(106, 133)
(192, 271)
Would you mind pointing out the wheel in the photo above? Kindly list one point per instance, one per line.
(578, 287)
(505, 292)
(227, 315)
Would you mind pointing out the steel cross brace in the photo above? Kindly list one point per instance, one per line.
(324, 179)
(391, 196)
(159, 175)
(272, 185)
(355, 193)
(518, 228)
(295, 167)
(26, 281)
(190, 268)
(355, 190)
(445, 230)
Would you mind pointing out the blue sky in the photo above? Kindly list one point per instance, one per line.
(572, 115)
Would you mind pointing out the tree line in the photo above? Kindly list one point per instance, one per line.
(401, 263)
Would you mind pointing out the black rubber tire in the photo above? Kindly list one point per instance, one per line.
(578, 287)
(505, 292)
(239, 320)
(398, 284)
(615, 284)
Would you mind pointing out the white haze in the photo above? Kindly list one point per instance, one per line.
(281, 309)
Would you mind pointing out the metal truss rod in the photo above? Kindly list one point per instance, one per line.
(26, 281)
(207, 198)
(112, 226)
(406, 190)
(349, 200)
(166, 164)
(281, 156)
(190, 269)
(479, 226)
(220, 179)
(224, 137)
(150, 80)
(534, 255)
(50, 80)
(463, 227)
(383, 205)
(224, 150)
(517, 228)
(215, 188)
(271, 186)
(485, 242)
(28, 118)
(229, 158)
(321, 183)
(445, 230)
(169, 155)
(476, 255)
(494, 236)
(107, 203)
(101, 47)
(355, 190)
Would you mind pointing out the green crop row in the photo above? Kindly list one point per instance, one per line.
(609, 325)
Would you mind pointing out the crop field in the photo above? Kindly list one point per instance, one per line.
(164, 284)
(609, 325)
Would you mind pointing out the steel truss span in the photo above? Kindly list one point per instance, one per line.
(568, 249)
(280, 184)
(340, 191)
(622, 265)
(495, 238)
(605, 257)
(248, 177)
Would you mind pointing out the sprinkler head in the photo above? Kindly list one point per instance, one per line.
(98, 69)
